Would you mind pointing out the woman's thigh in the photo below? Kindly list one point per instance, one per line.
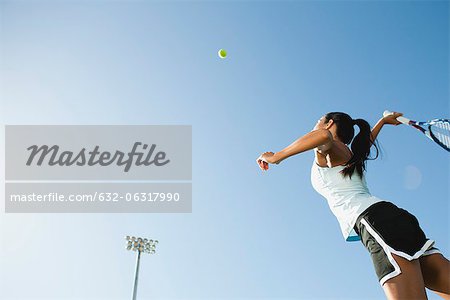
(436, 273)
(409, 284)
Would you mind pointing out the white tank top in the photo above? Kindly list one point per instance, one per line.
(347, 198)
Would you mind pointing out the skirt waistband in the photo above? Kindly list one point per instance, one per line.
(368, 210)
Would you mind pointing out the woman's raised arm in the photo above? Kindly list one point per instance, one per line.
(391, 119)
(311, 140)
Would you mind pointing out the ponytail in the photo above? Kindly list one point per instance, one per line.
(361, 149)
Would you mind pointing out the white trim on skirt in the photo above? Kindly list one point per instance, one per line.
(389, 250)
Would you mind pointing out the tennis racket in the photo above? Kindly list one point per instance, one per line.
(438, 130)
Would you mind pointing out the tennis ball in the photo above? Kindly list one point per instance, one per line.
(222, 53)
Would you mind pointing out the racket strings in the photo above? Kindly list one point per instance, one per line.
(441, 130)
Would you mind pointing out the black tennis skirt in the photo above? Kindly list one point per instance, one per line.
(384, 229)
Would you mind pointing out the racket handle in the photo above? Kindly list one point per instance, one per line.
(400, 119)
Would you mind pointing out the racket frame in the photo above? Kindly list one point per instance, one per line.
(416, 124)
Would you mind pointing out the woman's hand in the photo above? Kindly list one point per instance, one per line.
(264, 159)
(392, 119)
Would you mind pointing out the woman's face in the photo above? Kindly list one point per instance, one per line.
(320, 123)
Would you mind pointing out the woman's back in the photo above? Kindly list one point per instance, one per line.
(347, 197)
(337, 155)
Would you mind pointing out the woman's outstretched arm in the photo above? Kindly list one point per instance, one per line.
(376, 129)
(311, 140)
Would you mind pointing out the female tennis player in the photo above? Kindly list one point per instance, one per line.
(405, 260)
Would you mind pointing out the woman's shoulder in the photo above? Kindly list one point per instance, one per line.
(338, 154)
(343, 148)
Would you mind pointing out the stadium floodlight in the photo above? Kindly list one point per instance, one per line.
(139, 245)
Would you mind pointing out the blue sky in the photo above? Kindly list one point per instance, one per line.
(251, 234)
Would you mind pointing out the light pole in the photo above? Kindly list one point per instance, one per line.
(140, 245)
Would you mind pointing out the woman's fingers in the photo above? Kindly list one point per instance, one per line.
(263, 165)
(396, 115)
(392, 118)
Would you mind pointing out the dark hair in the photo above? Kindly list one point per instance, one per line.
(361, 143)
